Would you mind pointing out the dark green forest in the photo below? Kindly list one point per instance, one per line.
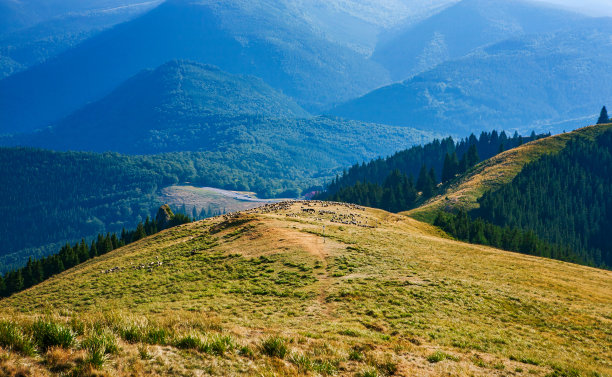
(478, 231)
(390, 183)
(564, 198)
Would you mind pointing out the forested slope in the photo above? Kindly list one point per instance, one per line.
(564, 198)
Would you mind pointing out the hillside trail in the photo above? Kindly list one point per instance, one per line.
(320, 248)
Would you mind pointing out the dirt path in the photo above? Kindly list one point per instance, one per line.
(322, 251)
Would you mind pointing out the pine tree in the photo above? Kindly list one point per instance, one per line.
(140, 233)
(15, 283)
(603, 116)
(93, 250)
(2, 287)
(472, 156)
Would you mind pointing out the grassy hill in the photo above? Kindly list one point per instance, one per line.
(310, 287)
(497, 171)
(69, 195)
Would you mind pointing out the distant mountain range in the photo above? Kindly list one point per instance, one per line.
(470, 65)
(285, 53)
(187, 106)
(462, 28)
(536, 82)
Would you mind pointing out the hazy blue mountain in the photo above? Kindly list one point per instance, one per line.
(20, 14)
(282, 51)
(463, 27)
(175, 97)
(34, 44)
(187, 106)
(533, 82)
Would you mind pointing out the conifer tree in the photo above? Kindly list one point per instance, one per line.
(93, 250)
(2, 287)
(472, 156)
(603, 116)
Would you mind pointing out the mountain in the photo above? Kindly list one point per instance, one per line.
(24, 14)
(281, 50)
(186, 106)
(544, 82)
(462, 28)
(549, 187)
(578, 216)
(269, 290)
(175, 97)
(50, 34)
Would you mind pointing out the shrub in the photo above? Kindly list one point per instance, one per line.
(131, 334)
(188, 342)
(368, 373)
(274, 347)
(143, 351)
(218, 345)
(246, 351)
(355, 355)
(441, 356)
(98, 345)
(302, 362)
(324, 367)
(48, 334)
(157, 336)
(12, 338)
(104, 340)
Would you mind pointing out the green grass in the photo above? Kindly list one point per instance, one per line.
(275, 347)
(13, 338)
(267, 301)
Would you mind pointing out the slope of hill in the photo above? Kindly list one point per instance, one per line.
(494, 173)
(263, 292)
(464, 27)
(262, 41)
(536, 82)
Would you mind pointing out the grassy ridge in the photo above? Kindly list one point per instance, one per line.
(381, 293)
(496, 172)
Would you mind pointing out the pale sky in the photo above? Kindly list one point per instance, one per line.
(591, 7)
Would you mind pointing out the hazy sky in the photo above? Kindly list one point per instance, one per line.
(592, 7)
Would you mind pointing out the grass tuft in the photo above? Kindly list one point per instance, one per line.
(441, 356)
(14, 339)
(49, 334)
(275, 347)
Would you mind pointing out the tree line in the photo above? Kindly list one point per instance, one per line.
(446, 157)
(400, 191)
(478, 231)
(41, 269)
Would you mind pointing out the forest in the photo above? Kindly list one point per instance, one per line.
(389, 183)
(564, 198)
(478, 231)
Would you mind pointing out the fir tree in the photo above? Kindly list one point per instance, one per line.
(603, 116)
